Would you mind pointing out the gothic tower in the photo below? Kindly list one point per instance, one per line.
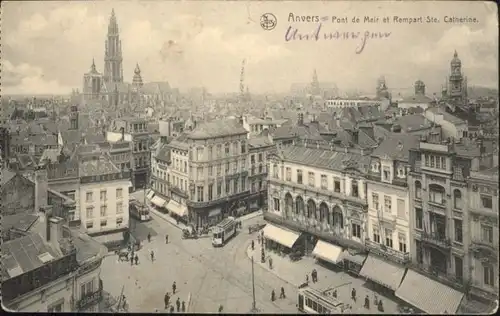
(92, 83)
(113, 71)
(419, 87)
(73, 117)
(457, 85)
(137, 85)
(315, 90)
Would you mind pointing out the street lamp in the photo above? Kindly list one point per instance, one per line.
(254, 309)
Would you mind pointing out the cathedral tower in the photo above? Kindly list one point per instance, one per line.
(92, 83)
(315, 89)
(419, 87)
(457, 83)
(113, 71)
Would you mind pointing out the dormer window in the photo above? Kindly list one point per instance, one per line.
(386, 174)
(376, 167)
(401, 172)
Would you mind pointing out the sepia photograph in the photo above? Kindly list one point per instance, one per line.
(249, 157)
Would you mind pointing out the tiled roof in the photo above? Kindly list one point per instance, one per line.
(6, 176)
(22, 254)
(397, 146)
(86, 247)
(419, 98)
(163, 152)
(256, 142)
(414, 122)
(447, 116)
(71, 137)
(21, 221)
(303, 131)
(180, 142)
(50, 155)
(217, 128)
(324, 159)
(94, 138)
(97, 167)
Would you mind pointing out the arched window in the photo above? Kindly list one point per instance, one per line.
(418, 190)
(288, 204)
(338, 218)
(436, 193)
(299, 205)
(311, 209)
(457, 199)
(323, 212)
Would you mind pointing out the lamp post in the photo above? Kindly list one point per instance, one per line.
(254, 309)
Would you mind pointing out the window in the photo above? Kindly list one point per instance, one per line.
(459, 267)
(235, 184)
(354, 189)
(56, 307)
(489, 275)
(119, 207)
(387, 204)
(119, 193)
(486, 202)
(299, 176)
(288, 172)
(199, 173)
(104, 223)
(311, 179)
(210, 171)
(103, 195)
(90, 212)
(226, 149)
(235, 148)
(243, 147)
(457, 199)
(276, 204)
(458, 230)
(243, 184)
(119, 220)
(104, 208)
(376, 235)
(356, 230)
(402, 242)
(86, 289)
(436, 194)
(375, 202)
(89, 197)
(199, 153)
(420, 252)
(487, 233)
(276, 171)
(228, 186)
(252, 159)
(227, 167)
(210, 192)
(219, 188)
(235, 167)
(260, 157)
(388, 238)
(386, 174)
(418, 190)
(324, 182)
(199, 193)
(210, 153)
(219, 149)
(89, 224)
(261, 168)
(253, 186)
(186, 167)
(336, 186)
(219, 169)
(419, 218)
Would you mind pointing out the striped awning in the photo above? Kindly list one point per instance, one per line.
(428, 295)
(150, 194)
(280, 235)
(158, 201)
(176, 208)
(327, 251)
(382, 272)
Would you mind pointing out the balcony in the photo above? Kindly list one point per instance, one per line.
(436, 240)
(437, 275)
(386, 252)
(89, 299)
(436, 207)
(477, 244)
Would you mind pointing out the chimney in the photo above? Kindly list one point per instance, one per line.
(55, 227)
(355, 136)
(44, 215)
(41, 187)
(300, 120)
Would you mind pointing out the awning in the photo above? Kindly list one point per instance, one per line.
(382, 272)
(108, 238)
(158, 201)
(214, 212)
(327, 251)
(428, 295)
(354, 257)
(282, 236)
(150, 194)
(176, 208)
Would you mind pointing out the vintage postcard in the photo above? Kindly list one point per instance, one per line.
(237, 157)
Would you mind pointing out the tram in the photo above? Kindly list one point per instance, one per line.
(223, 231)
(139, 211)
(312, 301)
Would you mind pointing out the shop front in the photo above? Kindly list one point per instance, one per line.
(150, 194)
(279, 239)
(387, 275)
(159, 203)
(428, 295)
(353, 261)
(177, 211)
(328, 254)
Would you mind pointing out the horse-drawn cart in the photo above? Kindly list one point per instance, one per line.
(189, 233)
(122, 254)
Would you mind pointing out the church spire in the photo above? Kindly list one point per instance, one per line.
(113, 71)
(113, 25)
(92, 68)
(137, 80)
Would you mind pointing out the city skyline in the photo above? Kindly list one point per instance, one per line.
(50, 45)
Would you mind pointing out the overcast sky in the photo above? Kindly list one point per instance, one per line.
(48, 46)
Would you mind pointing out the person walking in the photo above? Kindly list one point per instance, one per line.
(270, 263)
(178, 304)
(183, 307)
(132, 260)
(367, 302)
(174, 287)
(136, 259)
(273, 296)
(253, 245)
(307, 278)
(149, 237)
(221, 308)
(172, 309)
(282, 294)
(353, 294)
(152, 256)
(166, 300)
(166, 239)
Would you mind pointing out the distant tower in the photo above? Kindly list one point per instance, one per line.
(381, 90)
(73, 117)
(113, 71)
(242, 80)
(92, 82)
(419, 87)
(457, 84)
(137, 85)
(315, 90)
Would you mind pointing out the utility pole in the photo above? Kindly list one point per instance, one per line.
(254, 306)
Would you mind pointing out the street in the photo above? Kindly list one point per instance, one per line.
(213, 276)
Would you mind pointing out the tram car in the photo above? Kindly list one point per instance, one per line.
(224, 231)
(138, 211)
(311, 301)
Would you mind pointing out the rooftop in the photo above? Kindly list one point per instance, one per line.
(22, 222)
(97, 167)
(217, 128)
(257, 142)
(419, 98)
(397, 146)
(446, 116)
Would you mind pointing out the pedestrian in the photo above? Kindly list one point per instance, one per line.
(353, 294)
(149, 237)
(270, 263)
(334, 294)
(178, 304)
(367, 302)
(174, 287)
(124, 304)
(273, 296)
(307, 278)
(220, 308)
(183, 308)
(253, 245)
(132, 260)
(282, 294)
(258, 239)
(166, 300)
(166, 239)
(172, 309)
(380, 306)
(136, 259)
(152, 256)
